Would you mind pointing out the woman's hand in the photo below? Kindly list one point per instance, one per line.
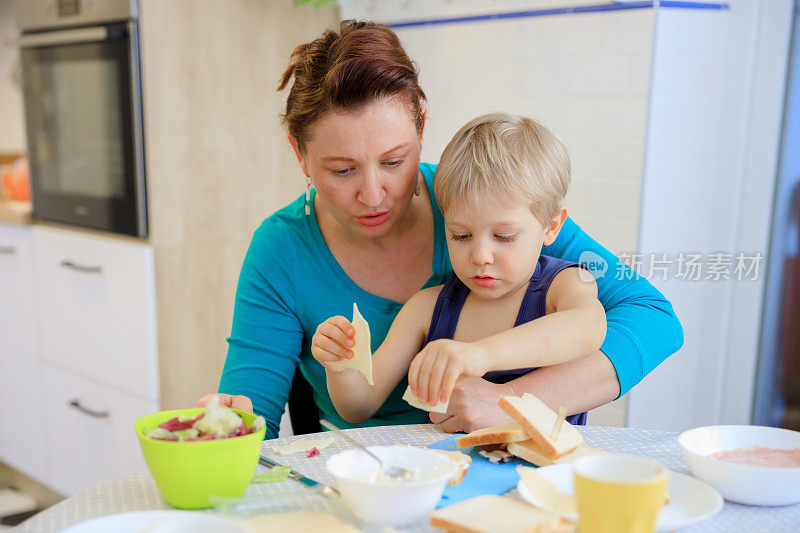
(435, 370)
(242, 403)
(473, 405)
(333, 341)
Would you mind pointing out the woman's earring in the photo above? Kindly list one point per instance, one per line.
(416, 189)
(308, 195)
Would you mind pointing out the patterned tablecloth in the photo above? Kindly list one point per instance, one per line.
(138, 492)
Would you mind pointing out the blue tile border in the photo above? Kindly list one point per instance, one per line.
(694, 5)
(614, 6)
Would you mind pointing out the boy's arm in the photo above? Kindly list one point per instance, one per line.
(354, 399)
(574, 326)
(579, 385)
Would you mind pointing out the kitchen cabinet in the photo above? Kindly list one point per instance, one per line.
(96, 305)
(96, 310)
(21, 421)
(89, 430)
(78, 362)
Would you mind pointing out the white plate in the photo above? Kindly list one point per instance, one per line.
(691, 500)
(158, 522)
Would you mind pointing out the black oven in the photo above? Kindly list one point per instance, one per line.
(82, 93)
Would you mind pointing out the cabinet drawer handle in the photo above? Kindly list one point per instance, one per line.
(97, 414)
(82, 268)
(7, 250)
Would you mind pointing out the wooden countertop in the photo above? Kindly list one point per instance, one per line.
(15, 212)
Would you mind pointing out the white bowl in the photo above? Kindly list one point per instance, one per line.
(396, 502)
(753, 485)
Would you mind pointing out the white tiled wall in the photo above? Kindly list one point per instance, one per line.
(404, 10)
(584, 75)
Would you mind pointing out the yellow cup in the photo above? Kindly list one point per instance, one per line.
(617, 493)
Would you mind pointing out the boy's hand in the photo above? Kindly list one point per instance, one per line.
(333, 341)
(434, 370)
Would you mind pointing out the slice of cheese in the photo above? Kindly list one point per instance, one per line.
(413, 401)
(304, 445)
(562, 415)
(546, 492)
(362, 352)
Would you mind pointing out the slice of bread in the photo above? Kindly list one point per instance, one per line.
(512, 432)
(297, 522)
(530, 451)
(462, 460)
(494, 514)
(538, 421)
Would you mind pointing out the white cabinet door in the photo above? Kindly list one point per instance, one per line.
(96, 302)
(21, 422)
(90, 435)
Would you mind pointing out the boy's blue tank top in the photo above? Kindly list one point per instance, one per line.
(454, 293)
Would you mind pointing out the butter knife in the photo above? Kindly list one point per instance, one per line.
(307, 481)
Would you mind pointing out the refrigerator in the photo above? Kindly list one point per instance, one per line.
(777, 392)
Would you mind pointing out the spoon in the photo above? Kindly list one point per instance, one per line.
(394, 472)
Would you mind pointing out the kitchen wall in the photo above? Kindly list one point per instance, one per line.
(218, 163)
(12, 122)
(585, 75)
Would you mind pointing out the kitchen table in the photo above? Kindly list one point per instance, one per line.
(138, 492)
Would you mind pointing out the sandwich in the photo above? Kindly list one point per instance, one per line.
(554, 437)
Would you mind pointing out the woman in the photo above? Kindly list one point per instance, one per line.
(370, 232)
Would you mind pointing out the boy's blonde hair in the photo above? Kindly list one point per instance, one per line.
(506, 158)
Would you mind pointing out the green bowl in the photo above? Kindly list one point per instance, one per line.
(187, 473)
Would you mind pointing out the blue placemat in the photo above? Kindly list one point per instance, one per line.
(483, 477)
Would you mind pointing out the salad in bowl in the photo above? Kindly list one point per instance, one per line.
(196, 453)
(216, 422)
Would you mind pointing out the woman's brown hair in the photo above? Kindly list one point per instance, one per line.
(347, 70)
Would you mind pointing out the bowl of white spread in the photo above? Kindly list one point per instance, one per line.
(375, 497)
(754, 465)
